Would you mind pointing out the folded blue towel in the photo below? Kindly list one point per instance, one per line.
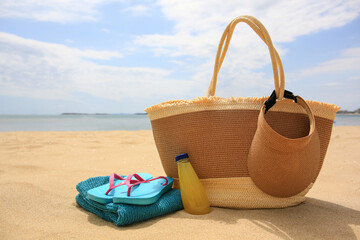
(125, 214)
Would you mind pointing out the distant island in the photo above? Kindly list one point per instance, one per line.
(71, 113)
(357, 111)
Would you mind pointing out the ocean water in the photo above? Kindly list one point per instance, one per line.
(347, 120)
(73, 122)
(102, 122)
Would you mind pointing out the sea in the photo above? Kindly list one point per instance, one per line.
(129, 122)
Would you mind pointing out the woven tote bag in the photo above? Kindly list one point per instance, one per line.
(217, 132)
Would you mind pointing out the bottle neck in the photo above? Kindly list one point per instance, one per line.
(184, 160)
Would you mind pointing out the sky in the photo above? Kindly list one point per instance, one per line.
(121, 56)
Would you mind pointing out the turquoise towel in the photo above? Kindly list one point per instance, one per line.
(125, 214)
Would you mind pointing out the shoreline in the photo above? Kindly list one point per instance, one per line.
(354, 114)
(131, 122)
(109, 131)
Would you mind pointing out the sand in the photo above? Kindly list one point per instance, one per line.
(39, 171)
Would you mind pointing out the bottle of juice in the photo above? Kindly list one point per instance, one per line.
(192, 191)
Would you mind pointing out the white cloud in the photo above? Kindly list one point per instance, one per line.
(354, 78)
(333, 84)
(53, 71)
(10, 41)
(198, 26)
(284, 19)
(139, 9)
(105, 30)
(334, 81)
(61, 11)
(349, 60)
(178, 44)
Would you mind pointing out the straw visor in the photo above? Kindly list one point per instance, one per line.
(283, 166)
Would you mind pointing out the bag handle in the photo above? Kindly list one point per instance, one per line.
(256, 25)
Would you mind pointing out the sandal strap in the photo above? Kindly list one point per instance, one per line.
(129, 182)
(112, 180)
(145, 181)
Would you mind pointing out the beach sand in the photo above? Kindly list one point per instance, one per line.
(39, 172)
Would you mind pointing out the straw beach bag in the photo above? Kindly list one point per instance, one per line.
(218, 133)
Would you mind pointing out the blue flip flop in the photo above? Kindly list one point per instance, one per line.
(104, 194)
(144, 192)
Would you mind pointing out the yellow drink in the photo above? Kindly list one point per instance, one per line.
(192, 191)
